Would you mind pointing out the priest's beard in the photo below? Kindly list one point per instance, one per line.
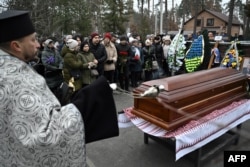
(30, 56)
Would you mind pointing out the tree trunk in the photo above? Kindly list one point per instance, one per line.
(166, 17)
(230, 18)
(195, 20)
(246, 29)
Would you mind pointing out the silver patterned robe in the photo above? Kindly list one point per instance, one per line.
(35, 131)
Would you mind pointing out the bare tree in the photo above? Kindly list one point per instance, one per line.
(166, 15)
(247, 19)
(230, 18)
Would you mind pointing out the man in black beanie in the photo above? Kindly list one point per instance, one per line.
(99, 51)
(125, 55)
(35, 129)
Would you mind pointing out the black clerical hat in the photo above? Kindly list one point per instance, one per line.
(15, 24)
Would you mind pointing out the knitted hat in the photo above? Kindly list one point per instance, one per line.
(68, 37)
(123, 38)
(157, 38)
(94, 34)
(131, 40)
(83, 44)
(48, 41)
(108, 35)
(15, 24)
(166, 38)
(72, 44)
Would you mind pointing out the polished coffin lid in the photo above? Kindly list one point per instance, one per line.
(195, 93)
(185, 85)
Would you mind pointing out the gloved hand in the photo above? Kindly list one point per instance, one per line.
(109, 61)
(92, 65)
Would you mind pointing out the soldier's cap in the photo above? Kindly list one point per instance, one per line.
(15, 24)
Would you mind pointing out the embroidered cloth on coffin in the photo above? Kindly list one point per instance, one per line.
(197, 133)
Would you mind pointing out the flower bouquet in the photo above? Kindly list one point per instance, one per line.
(232, 58)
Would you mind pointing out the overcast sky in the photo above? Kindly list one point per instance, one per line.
(177, 2)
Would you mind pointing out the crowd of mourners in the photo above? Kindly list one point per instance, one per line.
(125, 60)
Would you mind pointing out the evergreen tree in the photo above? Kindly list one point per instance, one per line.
(55, 17)
(115, 16)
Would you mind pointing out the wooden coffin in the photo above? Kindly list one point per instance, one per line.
(190, 96)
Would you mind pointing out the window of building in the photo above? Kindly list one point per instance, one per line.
(198, 23)
(210, 22)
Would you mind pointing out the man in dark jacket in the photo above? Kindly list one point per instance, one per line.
(99, 52)
(125, 55)
(159, 55)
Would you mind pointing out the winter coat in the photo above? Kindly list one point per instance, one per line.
(149, 55)
(165, 51)
(136, 61)
(100, 54)
(85, 58)
(72, 64)
(53, 64)
(110, 63)
(64, 50)
(159, 51)
(125, 55)
(159, 54)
